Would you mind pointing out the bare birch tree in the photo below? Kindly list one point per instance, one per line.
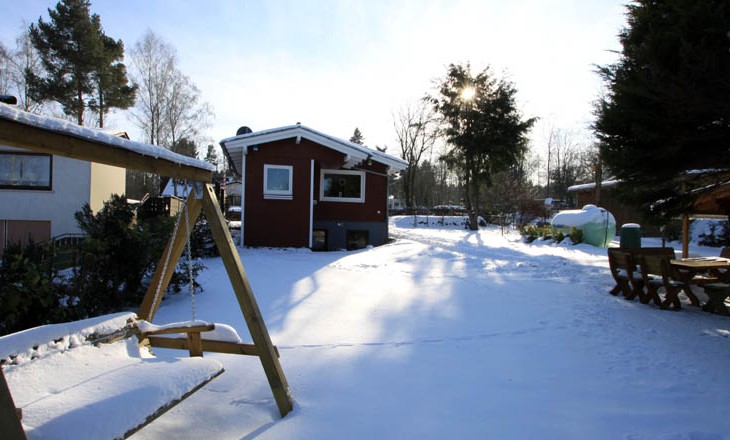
(14, 66)
(416, 132)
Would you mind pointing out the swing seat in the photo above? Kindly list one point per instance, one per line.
(107, 390)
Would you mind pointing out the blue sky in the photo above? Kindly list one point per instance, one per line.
(337, 65)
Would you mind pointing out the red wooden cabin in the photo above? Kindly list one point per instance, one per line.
(303, 188)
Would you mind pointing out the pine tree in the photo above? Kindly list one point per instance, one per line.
(483, 126)
(81, 63)
(667, 106)
(110, 78)
(357, 137)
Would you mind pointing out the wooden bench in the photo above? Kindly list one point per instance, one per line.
(624, 266)
(658, 274)
(96, 381)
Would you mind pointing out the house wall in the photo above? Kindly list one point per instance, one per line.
(105, 181)
(280, 223)
(284, 223)
(69, 191)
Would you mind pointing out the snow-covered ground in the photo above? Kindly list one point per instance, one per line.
(448, 333)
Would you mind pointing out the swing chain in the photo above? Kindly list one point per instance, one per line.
(191, 280)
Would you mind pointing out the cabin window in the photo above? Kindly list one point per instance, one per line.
(25, 171)
(342, 186)
(357, 239)
(319, 240)
(278, 182)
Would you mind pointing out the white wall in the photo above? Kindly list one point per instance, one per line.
(70, 190)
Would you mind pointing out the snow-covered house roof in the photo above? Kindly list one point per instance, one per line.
(585, 186)
(236, 146)
(57, 136)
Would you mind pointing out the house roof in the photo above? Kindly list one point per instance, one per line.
(235, 147)
(590, 186)
(49, 135)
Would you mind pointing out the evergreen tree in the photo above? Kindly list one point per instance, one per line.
(186, 147)
(483, 126)
(667, 106)
(81, 63)
(357, 137)
(110, 79)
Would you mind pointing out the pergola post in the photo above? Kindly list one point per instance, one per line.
(685, 236)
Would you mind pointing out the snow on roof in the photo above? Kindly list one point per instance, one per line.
(103, 136)
(585, 186)
(356, 153)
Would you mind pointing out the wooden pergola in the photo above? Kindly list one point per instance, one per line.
(51, 136)
(712, 202)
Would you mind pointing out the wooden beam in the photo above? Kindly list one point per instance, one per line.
(247, 302)
(209, 346)
(166, 265)
(10, 425)
(39, 140)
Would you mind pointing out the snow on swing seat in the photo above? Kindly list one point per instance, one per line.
(99, 391)
(221, 332)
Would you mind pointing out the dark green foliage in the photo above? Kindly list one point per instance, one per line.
(82, 67)
(118, 257)
(119, 253)
(486, 131)
(532, 232)
(28, 292)
(576, 235)
(667, 107)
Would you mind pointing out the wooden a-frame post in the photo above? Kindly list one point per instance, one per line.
(265, 350)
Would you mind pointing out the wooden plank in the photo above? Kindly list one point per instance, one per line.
(173, 330)
(195, 344)
(163, 273)
(209, 346)
(247, 301)
(685, 236)
(10, 425)
(16, 134)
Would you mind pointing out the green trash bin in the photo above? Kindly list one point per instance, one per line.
(630, 236)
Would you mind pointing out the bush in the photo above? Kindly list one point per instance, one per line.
(28, 294)
(532, 232)
(576, 235)
(118, 257)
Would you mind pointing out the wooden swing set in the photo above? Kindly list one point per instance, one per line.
(30, 132)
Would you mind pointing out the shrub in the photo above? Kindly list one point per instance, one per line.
(28, 294)
(576, 235)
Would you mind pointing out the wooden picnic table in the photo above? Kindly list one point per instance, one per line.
(698, 271)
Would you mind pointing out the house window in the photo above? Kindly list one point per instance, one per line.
(319, 240)
(278, 182)
(357, 239)
(342, 186)
(25, 171)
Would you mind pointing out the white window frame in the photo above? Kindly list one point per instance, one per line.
(277, 193)
(360, 199)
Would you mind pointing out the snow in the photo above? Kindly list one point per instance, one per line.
(96, 135)
(451, 333)
(586, 186)
(580, 217)
(221, 332)
(103, 391)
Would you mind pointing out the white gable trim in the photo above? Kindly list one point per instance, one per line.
(354, 153)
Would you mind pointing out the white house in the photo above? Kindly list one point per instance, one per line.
(39, 193)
